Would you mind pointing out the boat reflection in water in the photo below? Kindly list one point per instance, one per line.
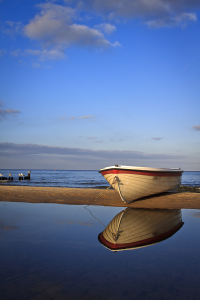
(135, 228)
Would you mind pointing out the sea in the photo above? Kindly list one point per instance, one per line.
(54, 251)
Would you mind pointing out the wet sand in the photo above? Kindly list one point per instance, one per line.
(101, 197)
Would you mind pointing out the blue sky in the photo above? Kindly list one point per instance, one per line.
(88, 84)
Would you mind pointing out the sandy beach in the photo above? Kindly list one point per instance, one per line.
(103, 197)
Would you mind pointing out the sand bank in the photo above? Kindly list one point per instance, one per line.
(95, 197)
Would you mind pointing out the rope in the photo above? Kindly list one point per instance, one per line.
(128, 202)
(93, 202)
(115, 235)
(116, 180)
(97, 197)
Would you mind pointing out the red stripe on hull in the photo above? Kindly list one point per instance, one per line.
(145, 242)
(146, 173)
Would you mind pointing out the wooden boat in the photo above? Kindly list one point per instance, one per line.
(137, 182)
(135, 228)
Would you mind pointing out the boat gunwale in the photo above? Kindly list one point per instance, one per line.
(141, 171)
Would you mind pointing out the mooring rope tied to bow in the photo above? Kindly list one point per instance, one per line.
(113, 234)
(93, 202)
(117, 180)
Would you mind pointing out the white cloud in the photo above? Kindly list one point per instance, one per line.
(86, 117)
(156, 138)
(52, 54)
(74, 118)
(62, 118)
(178, 20)
(106, 27)
(155, 13)
(15, 53)
(36, 65)
(12, 28)
(12, 111)
(57, 27)
(51, 21)
(116, 44)
(8, 112)
(53, 27)
(197, 127)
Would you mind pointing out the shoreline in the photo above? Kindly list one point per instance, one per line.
(100, 197)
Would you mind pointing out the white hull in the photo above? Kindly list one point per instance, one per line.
(137, 183)
(135, 228)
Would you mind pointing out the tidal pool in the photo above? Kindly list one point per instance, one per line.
(53, 251)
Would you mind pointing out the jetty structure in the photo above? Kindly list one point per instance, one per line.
(2, 177)
(28, 176)
(23, 177)
(10, 177)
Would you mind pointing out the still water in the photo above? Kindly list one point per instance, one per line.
(52, 251)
